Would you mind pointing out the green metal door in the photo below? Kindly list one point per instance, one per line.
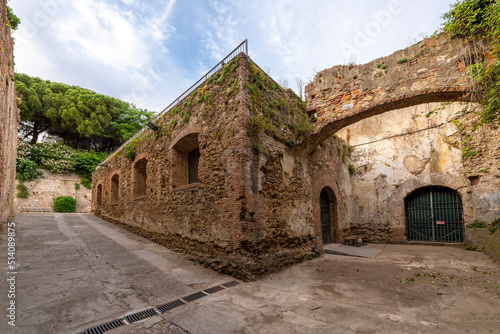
(434, 214)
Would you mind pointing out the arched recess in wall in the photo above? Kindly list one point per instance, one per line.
(185, 157)
(115, 188)
(434, 213)
(328, 216)
(139, 187)
(99, 196)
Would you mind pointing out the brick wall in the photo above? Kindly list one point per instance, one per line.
(8, 119)
(429, 71)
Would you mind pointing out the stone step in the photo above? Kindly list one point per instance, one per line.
(36, 209)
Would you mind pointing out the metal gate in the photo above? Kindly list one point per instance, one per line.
(325, 217)
(434, 214)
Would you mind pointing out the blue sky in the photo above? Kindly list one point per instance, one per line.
(149, 52)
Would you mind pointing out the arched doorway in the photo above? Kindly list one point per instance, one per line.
(327, 209)
(434, 214)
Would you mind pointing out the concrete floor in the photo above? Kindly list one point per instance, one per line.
(75, 271)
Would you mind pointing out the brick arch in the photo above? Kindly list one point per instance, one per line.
(333, 124)
(432, 70)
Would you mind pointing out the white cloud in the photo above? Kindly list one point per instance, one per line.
(149, 51)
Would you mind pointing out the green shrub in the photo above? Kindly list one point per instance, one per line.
(291, 141)
(494, 228)
(402, 60)
(22, 191)
(14, 21)
(477, 224)
(351, 168)
(85, 164)
(26, 170)
(64, 204)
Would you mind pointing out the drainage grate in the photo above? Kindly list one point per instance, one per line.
(170, 306)
(230, 284)
(214, 289)
(194, 296)
(104, 327)
(141, 315)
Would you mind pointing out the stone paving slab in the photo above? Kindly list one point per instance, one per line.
(75, 271)
(362, 251)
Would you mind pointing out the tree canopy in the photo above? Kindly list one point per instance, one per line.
(82, 118)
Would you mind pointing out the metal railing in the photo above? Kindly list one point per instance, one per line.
(243, 47)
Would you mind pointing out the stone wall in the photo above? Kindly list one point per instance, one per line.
(481, 150)
(398, 152)
(45, 189)
(403, 139)
(250, 211)
(432, 70)
(8, 119)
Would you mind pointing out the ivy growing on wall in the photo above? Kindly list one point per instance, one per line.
(479, 20)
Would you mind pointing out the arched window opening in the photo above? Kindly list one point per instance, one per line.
(185, 161)
(115, 187)
(140, 179)
(99, 196)
(193, 160)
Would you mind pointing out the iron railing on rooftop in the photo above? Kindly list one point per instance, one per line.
(243, 47)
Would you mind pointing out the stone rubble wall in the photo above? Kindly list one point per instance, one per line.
(225, 219)
(8, 119)
(44, 190)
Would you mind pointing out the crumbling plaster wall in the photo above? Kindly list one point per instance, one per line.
(398, 152)
(8, 119)
(398, 149)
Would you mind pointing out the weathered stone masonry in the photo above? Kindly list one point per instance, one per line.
(251, 209)
(404, 140)
(8, 119)
(255, 204)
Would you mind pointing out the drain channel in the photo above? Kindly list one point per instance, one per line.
(214, 289)
(230, 284)
(170, 306)
(161, 309)
(104, 327)
(141, 315)
(194, 296)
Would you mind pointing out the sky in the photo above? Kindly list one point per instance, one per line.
(148, 52)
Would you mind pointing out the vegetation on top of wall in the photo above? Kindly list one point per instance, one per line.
(223, 80)
(14, 21)
(274, 111)
(26, 170)
(131, 148)
(480, 21)
(57, 158)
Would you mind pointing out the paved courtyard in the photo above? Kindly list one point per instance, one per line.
(75, 271)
